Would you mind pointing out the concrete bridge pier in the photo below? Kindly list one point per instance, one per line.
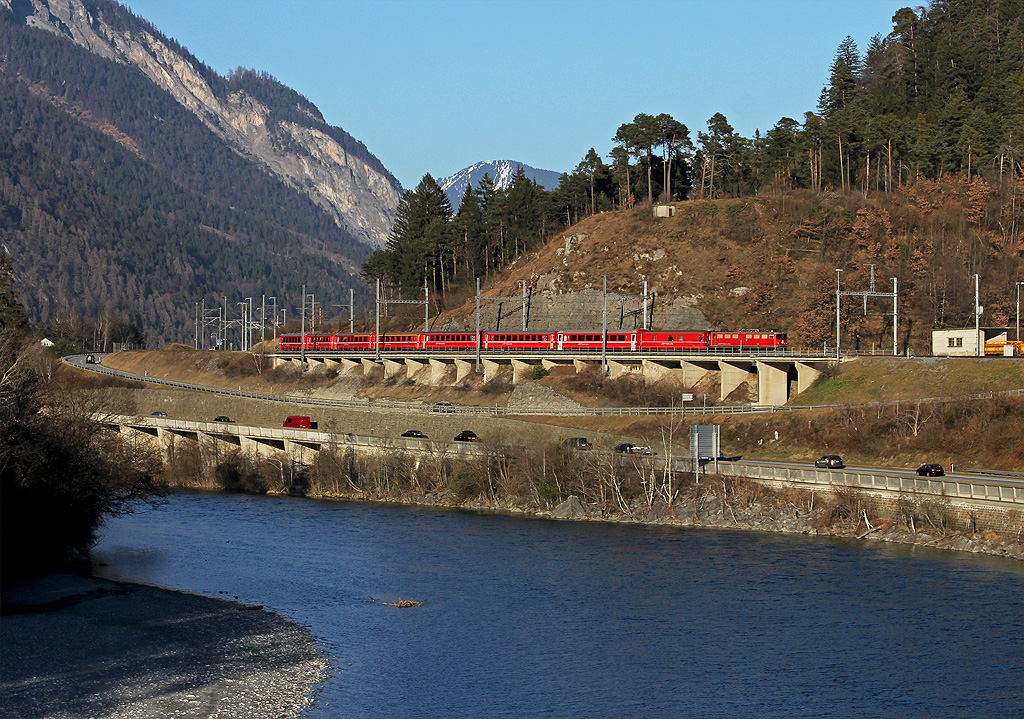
(492, 369)
(806, 376)
(733, 374)
(413, 367)
(549, 364)
(263, 448)
(147, 437)
(772, 383)
(522, 370)
(368, 365)
(392, 368)
(583, 365)
(618, 369)
(300, 452)
(463, 369)
(348, 366)
(276, 362)
(439, 370)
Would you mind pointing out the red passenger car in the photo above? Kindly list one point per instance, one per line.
(293, 342)
(584, 340)
(354, 342)
(447, 340)
(407, 341)
(738, 341)
(519, 340)
(673, 341)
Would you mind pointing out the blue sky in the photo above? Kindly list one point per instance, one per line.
(437, 86)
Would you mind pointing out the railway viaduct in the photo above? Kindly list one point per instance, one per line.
(778, 376)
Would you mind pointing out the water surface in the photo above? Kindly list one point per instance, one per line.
(526, 618)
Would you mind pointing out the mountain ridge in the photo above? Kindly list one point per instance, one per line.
(294, 143)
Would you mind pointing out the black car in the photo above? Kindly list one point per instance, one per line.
(158, 413)
(222, 418)
(630, 448)
(444, 407)
(465, 436)
(931, 470)
(414, 433)
(580, 444)
(829, 461)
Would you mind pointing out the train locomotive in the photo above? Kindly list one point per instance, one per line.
(573, 341)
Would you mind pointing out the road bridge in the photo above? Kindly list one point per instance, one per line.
(299, 446)
(777, 376)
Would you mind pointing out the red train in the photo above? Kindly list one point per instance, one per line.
(618, 341)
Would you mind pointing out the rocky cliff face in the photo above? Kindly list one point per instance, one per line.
(356, 191)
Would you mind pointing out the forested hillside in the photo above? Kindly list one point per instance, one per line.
(116, 199)
(912, 162)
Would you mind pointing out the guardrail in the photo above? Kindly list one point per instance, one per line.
(962, 488)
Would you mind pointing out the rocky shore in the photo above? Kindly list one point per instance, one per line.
(711, 511)
(86, 648)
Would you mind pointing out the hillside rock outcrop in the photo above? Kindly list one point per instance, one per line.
(308, 155)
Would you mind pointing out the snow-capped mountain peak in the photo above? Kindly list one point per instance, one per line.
(502, 173)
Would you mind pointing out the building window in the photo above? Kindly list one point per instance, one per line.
(956, 342)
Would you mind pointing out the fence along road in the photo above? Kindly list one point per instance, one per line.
(406, 407)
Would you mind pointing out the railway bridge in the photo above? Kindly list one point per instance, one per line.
(778, 376)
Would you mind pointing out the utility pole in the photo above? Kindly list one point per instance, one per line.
(302, 335)
(275, 318)
(426, 306)
(838, 274)
(645, 306)
(977, 319)
(351, 311)
(604, 328)
(523, 283)
(1018, 309)
(376, 341)
(195, 340)
(895, 345)
(477, 369)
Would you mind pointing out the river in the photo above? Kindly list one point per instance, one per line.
(529, 618)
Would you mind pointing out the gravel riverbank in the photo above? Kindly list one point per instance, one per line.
(80, 647)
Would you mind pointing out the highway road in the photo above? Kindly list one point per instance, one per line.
(1006, 479)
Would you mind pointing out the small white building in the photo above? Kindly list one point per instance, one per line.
(964, 342)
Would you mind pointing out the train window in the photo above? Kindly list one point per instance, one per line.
(671, 338)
